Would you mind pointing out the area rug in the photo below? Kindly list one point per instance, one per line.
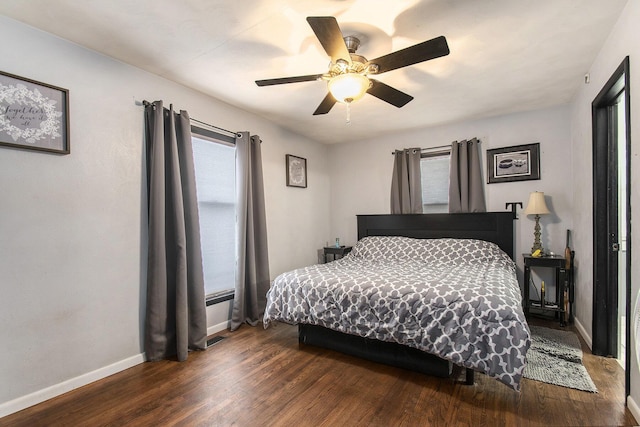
(555, 357)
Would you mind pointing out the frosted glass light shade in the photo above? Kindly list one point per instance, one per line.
(536, 205)
(348, 87)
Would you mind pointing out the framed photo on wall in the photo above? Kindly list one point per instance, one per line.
(296, 168)
(517, 163)
(33, 115)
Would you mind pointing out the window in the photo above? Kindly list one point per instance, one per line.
(434, 171)
(215, 167)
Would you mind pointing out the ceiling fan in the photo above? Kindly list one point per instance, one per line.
(348, 75)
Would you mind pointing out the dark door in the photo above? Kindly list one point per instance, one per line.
(606, 118)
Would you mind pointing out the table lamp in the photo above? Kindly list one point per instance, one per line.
(537, 207)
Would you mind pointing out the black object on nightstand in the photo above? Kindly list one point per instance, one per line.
(336, 252)
(562, 276)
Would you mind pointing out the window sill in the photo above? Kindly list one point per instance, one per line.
(219, 297)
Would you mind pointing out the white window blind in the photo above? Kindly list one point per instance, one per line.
(434, 172)
(215, 168)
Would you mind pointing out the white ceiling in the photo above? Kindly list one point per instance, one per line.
(506, 55)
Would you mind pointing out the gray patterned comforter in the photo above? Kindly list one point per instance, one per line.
(458, 299)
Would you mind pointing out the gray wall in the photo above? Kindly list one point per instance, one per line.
(361, 172)
(623, 41)
(72, 228)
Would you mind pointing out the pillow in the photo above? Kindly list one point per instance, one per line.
(428, 250)
(387, 247)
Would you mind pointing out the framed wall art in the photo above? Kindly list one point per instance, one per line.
(296, 168)
(33, 115)
(517, 163)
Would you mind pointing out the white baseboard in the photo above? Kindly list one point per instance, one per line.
(217, 328)
(631, 404)
(633, 408)
(583, 332)
(40, 396)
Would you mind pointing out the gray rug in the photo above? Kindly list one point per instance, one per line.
(555, 357)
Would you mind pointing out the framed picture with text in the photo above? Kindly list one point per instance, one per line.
(296, 169)
(517, 163)
(33, 115)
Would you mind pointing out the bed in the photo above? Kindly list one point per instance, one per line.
(421, 292)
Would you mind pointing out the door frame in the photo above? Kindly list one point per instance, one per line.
(605, 214)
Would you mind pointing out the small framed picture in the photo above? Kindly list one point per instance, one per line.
(33, 115)
(517, 163)
(296, 168)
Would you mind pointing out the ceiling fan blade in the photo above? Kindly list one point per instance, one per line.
(330, 37)
(388, 94)
(284, 80)
(420, 52)
(326, 105)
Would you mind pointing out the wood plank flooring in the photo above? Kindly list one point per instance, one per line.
(258, 377)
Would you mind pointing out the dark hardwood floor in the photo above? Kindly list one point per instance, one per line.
(259, 377)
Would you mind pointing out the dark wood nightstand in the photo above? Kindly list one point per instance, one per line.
(336, 252)
(558, 263)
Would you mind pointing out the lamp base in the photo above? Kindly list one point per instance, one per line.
(536, 237)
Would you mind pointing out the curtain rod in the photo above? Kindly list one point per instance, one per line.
(216, 127)
(147, 103)
(439, 147)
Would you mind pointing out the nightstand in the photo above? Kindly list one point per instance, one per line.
(558, 263)
(336, 252)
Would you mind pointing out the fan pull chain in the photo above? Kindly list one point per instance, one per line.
(348, 113)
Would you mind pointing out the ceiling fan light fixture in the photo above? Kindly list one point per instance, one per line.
(347, 74)
(348, 87)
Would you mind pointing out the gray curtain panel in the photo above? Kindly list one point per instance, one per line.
(406, 183)
(252, 261)
(175, 313)
(466, 187)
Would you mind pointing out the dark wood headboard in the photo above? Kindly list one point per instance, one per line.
(496, 227)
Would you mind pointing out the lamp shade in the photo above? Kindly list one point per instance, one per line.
(536, 204)
(348, 87)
